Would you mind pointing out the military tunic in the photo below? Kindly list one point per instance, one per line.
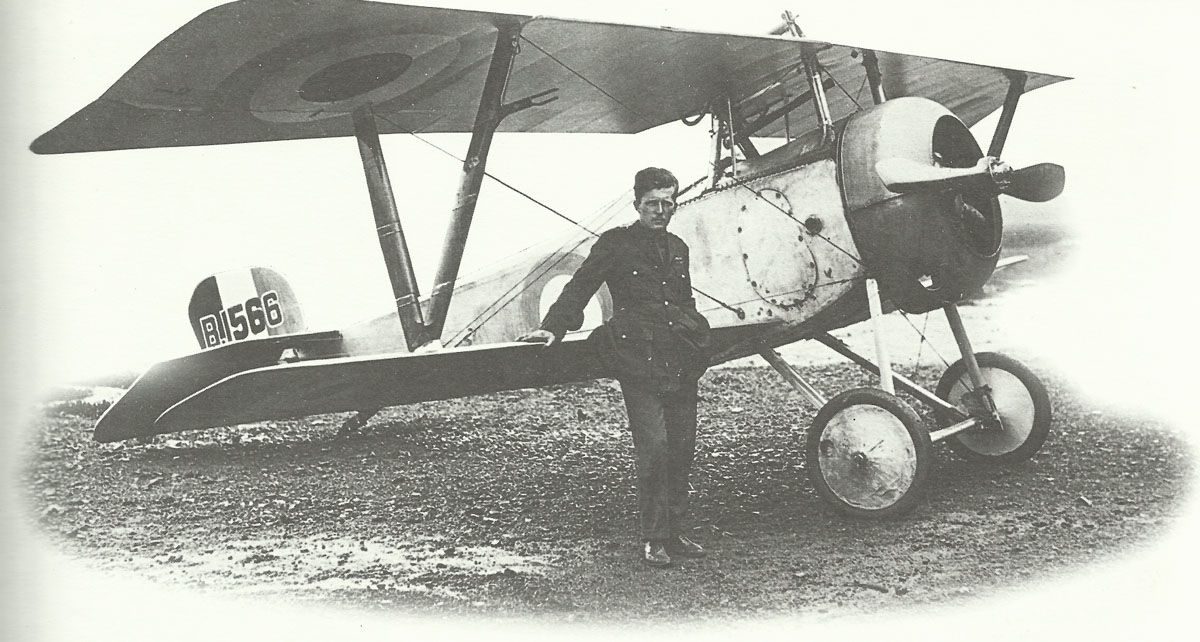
(656, 345)
(655, 335)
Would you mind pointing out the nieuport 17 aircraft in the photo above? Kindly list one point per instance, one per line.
(878, 197)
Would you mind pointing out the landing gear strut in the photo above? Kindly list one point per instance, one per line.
(868, 452)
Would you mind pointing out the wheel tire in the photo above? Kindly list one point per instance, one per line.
(845, 465)
(1021, 399)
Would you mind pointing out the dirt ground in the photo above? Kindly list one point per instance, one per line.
(522, 505)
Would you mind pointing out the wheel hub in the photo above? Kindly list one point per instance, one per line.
(980, 405)
(1004, 407)
(867, 457)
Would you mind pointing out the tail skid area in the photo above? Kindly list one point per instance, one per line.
(135, 414)
(242, 319)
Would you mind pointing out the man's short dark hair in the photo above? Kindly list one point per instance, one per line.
(652, 178)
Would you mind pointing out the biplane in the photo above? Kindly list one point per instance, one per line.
(874, 196)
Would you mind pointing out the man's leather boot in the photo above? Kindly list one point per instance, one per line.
(655, 554)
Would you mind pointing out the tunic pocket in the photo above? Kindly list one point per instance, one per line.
(633, 340)
(631, 348)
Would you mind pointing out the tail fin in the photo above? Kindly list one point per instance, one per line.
(243, 304)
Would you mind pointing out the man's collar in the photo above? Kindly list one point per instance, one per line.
(639, 228)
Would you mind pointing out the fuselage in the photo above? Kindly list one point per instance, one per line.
(780, 249)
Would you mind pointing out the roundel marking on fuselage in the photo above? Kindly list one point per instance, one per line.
(593, 314)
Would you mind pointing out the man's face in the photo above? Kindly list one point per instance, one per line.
(656, 207)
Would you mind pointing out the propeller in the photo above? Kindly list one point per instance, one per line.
(1036, 183)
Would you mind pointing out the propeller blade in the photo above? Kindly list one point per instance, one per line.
(1037, 183)
(904, 175)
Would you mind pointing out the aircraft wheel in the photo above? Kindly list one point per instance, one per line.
(1021, 400)
(869, 454)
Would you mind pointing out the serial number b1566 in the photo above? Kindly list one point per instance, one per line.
(237, 322)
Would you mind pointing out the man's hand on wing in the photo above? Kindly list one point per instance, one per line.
(539, 336)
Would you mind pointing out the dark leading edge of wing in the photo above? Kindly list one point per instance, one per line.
(262, 70)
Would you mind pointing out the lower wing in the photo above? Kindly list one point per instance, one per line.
(247, 381)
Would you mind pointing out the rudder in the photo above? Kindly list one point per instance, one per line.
(243, 304)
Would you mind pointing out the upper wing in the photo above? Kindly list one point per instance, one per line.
(261, 70)
(970, 91)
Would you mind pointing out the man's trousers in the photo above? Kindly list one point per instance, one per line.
(664, 441)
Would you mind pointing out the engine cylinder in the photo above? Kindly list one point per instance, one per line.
(929, 247)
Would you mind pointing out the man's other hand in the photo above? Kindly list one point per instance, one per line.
(539, 336)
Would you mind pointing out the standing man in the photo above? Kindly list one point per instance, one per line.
(655, 344)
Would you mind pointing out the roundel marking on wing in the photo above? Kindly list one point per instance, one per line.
(338, 80)
(354, 76)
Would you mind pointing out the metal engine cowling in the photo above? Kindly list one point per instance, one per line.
(929, 247)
